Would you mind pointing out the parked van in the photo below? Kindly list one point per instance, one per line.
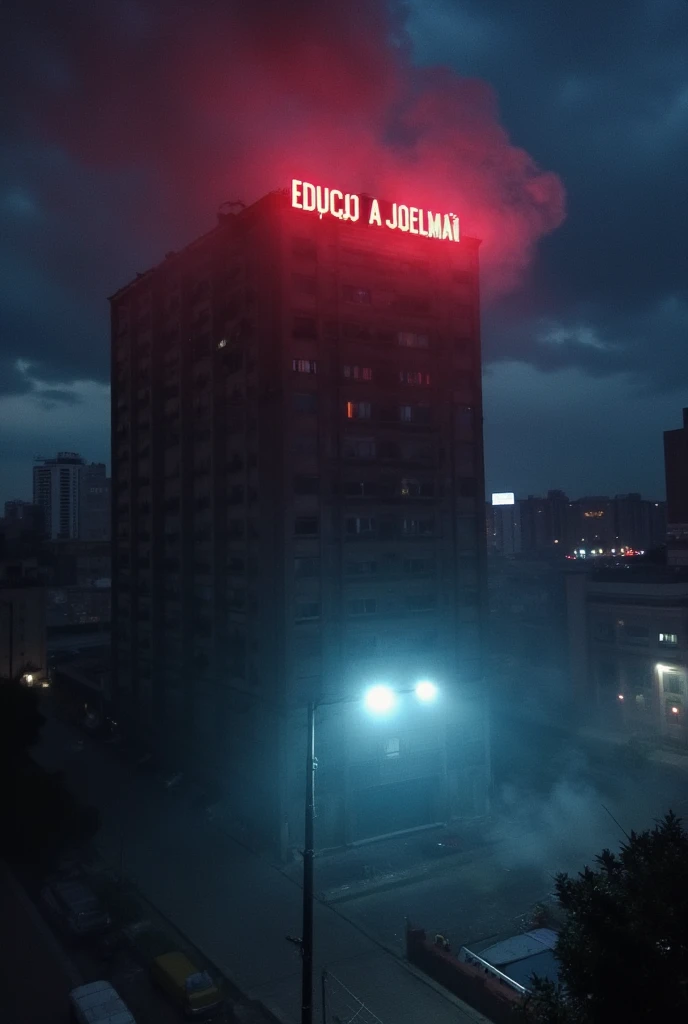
(99, 1003)
(193, 990)
(76, 907)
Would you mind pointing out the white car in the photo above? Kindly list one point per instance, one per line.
(99, 1003)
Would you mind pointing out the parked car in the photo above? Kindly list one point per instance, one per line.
(193, 990)
(99, 1003)
(75, 907)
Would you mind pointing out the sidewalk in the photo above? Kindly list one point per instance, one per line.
(234, 906)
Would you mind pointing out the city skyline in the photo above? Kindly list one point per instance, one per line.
(563, 149)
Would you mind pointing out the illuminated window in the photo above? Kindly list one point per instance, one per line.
(414, 377)
(359, 525)
(358, 372)
(409, 339)
(358, 410)
(362, 606)
(670, 639)
(361, 296)
(414, 413)
(303, 365)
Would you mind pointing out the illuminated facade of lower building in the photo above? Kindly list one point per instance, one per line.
(298, 513)
(628, 643)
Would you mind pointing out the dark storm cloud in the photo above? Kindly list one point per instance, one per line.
(128, 123)
(600, 92)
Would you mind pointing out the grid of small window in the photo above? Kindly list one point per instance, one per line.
(358, 372)
(358, 410)
(304, 365)
(414, 377)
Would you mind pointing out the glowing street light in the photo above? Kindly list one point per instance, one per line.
(426, 691)
(380, 699)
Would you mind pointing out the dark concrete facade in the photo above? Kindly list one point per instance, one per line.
(298, 512)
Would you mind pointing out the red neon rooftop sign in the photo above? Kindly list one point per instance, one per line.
(331, 202)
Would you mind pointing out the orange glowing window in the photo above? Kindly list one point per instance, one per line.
(358, 410)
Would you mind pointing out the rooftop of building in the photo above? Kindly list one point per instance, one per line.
(232, 214)
(641, 574)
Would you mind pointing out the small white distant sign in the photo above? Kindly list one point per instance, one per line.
(503, 498)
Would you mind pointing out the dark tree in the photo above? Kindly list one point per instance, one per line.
(39, 817)
(623, 949)
(20, 720)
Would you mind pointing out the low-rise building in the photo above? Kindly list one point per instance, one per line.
(628, 645)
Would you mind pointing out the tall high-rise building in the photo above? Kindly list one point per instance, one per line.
(94, 503)
(298, 511)
(676, 476)
(74, 496)
(504, 529)
(56, 490)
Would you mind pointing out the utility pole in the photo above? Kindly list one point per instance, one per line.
(10, 637)
(308, 855)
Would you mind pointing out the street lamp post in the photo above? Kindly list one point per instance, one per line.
(308, 855)
(379, 700)
(10, 646)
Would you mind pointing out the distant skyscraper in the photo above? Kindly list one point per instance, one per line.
(299, 511)
(676, 475)
(56, 490)
(505, 519)
(74, 497)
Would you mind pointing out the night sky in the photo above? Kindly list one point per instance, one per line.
(558, 132)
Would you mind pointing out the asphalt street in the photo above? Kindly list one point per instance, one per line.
(236, 907)
(559, 801)
(556, 799)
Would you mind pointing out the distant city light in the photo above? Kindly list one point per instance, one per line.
(426, 691)
(380, 699)
(504, 498)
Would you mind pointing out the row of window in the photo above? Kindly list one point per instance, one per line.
(370, 526)
(309, 611)
(309, 567)
(307, 328)
(420, 414)
(633, 633)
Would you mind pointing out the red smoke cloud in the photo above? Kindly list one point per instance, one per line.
(219, 101)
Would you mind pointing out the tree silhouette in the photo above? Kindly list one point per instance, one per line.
(623, 950)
